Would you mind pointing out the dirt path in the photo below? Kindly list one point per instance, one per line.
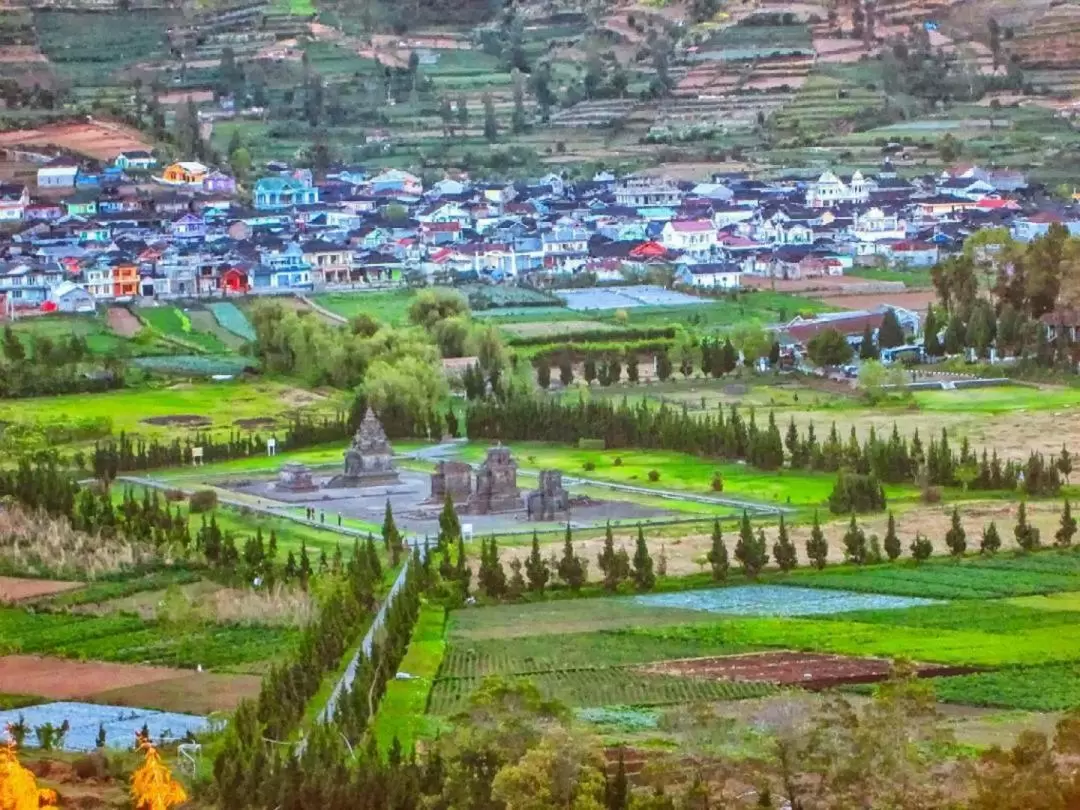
(123, 322)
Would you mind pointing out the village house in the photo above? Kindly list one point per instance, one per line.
(274, 193)
(647, 193)
(60, 172)
(185, 173)
(136, 160)
(709, 275)
(14, 198)
(830, 190)
(694, 236)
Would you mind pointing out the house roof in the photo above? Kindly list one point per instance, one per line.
(692, 225)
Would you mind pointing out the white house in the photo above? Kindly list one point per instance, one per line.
(709, 275)
(694, 236)
(58, 173)
(71, 297)
(14, 198)
(874, 225)
(829, 190)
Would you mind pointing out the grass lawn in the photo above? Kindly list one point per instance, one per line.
(389, 307)
(223, 403)
(403, 710)
(680, 471)
(1002, 399)
(910, 278)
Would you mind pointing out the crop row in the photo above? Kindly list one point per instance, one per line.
(606, 687)
(230, 317)
(1054, 687)
(570, 652)
(128, 639)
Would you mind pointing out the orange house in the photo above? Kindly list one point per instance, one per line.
(125, 279)
(234, 280)
(186, 172)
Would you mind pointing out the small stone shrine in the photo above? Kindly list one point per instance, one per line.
(294, 477)
(369, 461)
(454, 477)
(548, 498)
(496, 484)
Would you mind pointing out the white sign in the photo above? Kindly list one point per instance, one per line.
(271, 447)
(196, 456)
(466, 531)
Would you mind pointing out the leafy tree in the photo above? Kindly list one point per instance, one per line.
(829, 348)
(921, 548)
(892, 542)
(956, 537)
(784, 549)
(1027, 536)
(991, 540)
(750, 550)
(817, 547)
(536, 568)
(931, 343)
(642, 572)
(1064, 535)
(955, 335)
(855, 549)
(14, 350)
(718, 556)
(663, 365)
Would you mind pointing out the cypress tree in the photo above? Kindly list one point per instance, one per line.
(1064, 535)
(750, 550)
(921, 548)
(956, 537)
(1027, 536)
(855, 543)
(449, 525)
(606, 560)
(817, 547)
(718, 556)
(991, 540)
(304, 570)
(571, 568)
(391, 536)
(784, 549)
(892, 542)
(463, 574)
(644, 577)
(616, 788)
(536, 568)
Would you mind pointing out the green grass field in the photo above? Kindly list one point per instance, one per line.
(910, 278)
(1002, 399)
(388, 307)
(223, 403)
(177, 325)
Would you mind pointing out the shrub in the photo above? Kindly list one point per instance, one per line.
(931, 494)
(617, 462)
(175, 495)
(856, 493)
(717, 482)
(589, 466)
(205, 500)
(654, 475)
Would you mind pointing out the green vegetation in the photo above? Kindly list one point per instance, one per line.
(1054, 687)
(402, 712)
(999, 399)
(128, 639)
(910, 278)
(391, 308)
(176, 325)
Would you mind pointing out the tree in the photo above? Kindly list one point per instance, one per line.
(991, 540)
(517, 119)
(921, 548)
(566, 370)
(14, 350)
(240, 163)
(391, 536)
(980, 329)
(642, 572)
(571, 567)
(1064, 535)
(449, 524)
(663, 365)
(817, 547)
(994, 34)
(564, 772)
(590, 369)
(867, 349)
(462, 111)
(1064, 463)
(955, 335)
(1027, 536)
(890, 334)
(152, 785)
(855, 549)
(829, 348)
(956, 537)
(892, 542)
(750, 550)
(607, 562)
(784, 549)
(931, 343)
(543, 375)
(536, 568)
(718, 556)
(491, 577)
(617, 789)
(491, 125)
(949, 148)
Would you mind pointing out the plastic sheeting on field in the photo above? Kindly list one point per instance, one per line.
(779, 600)
(120, 722)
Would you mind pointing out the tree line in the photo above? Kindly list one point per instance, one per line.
(894, 460)
(42, 366)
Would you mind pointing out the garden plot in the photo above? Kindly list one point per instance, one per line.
(778, 600)
(808, 670)
(16, 589)
(60, 679)
(121, 724)
(625, 297)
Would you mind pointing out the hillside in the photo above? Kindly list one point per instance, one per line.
(749, 83)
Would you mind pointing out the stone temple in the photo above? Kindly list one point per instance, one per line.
(454, 477)
(496, 484)
(369, 461)
(548, 498)
(295, 477)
